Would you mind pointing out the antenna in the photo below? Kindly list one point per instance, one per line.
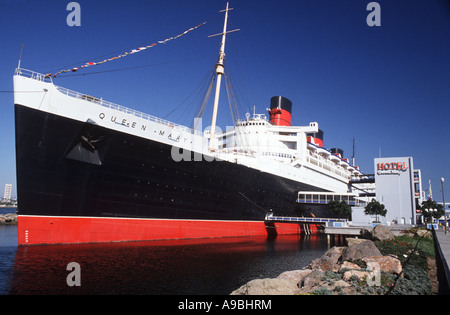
(20, 57)
(353, 156)
(219, 72)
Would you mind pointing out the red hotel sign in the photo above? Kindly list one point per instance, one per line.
(400, 166)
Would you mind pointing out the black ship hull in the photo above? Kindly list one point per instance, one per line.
(70, 171)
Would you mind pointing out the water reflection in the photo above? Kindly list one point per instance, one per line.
(207, 266)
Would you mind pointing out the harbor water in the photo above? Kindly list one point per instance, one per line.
(176, 267)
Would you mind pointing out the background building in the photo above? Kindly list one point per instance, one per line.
(7, 193)
(398, 187)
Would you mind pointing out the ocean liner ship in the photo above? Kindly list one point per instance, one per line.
(89, 170)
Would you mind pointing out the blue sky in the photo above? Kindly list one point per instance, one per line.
(387, 86)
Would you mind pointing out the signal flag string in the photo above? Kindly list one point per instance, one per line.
(139, 49)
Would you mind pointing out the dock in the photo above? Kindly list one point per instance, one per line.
(345, 230)
(396, 229)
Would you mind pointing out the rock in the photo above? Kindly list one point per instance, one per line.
(314, 278)
(267, 287)
(295, 275)
(9, 218)
(365, 234)
(384, 263)
(382, 233)
(353, 240)
(361, 250)
(349, 265)
(329, 260)
(425, 233)
(357, 273)
(342, 284)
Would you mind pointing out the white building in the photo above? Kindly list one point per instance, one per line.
(7, 193)
(398, 187)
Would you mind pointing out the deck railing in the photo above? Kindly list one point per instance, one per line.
(100, 101)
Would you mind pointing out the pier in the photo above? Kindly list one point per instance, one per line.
(336, 226)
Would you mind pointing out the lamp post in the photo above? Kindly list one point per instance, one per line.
(443, 203)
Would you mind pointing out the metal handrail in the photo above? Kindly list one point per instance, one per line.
(33, 75)
(47, 78)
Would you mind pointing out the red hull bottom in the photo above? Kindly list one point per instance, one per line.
(35, 230)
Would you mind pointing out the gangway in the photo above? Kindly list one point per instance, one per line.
(324, 198)
(307, 220)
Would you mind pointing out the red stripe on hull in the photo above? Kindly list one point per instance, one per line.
(67, 230)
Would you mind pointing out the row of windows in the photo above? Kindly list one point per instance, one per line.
(254, 124)
(285, 155)
(325, 199)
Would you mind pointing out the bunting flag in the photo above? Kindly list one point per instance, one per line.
(139, 49)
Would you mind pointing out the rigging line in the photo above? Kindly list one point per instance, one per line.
(196, 101)
(234, 92)
(87, 60)
(185, 100)
(127, 53)
(205, 100)
(237, 89)
(230, 99)
(127, 68)
(233, 99)
(251, 201)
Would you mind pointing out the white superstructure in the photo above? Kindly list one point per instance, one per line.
(253, 142)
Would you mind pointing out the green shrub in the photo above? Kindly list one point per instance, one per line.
(415, 282)
(323, 291)
(413, 253)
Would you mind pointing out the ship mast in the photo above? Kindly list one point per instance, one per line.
(219, 72)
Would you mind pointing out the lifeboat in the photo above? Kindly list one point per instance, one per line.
(335, 158)
(344, 164)
(312, 147)
(324, 152)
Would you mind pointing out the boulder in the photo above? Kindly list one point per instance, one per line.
(365, 234)
(425, 233)
(382, 233)
(384, 263)
(349, 265)
(355, 273)
(341, 283)
(329, 260)
(354, 240)
(361, 250)
(267, 287)
(314, 278)
(9, 218)
(295, 275)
